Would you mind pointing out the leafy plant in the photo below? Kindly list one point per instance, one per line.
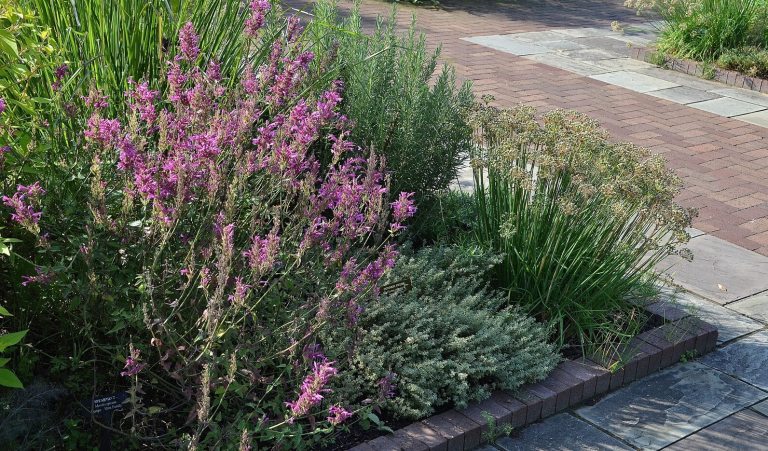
(7, 340)
(580, 221)
(752, 61)
(447, 340)
(402, 106)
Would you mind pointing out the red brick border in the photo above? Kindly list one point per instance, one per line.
(695, 68)
(570, 383)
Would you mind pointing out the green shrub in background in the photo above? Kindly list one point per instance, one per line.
(401, 106)
(580, 221)
(448, 340)
(752, 61)
(704, 29)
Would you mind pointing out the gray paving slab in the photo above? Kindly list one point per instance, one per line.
(761, 407)
(743, 95)
(746, 359)
(694, 232)
(591, 54)
(568, 44)
(588, 32)
(684, 95)
(508, 44)
(755, 307)
(720, 271)
(560, 433)
(662, 408)
(728, 107)
(638, 40)
(608, 43)
(538, 36)
(616, 64)
(680, 78)
(760, 118)
(742, 431)
(730, 325)
(634, 81)
(571, 65)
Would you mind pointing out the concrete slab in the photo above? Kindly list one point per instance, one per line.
(730, 325)
(720, 271)
(683, 95)
(562, 45)
(591, 54)
(744, 95)
(561, 432)
(616, 64)
(508, 44)
(571, 65)
(607, 43)
(745, 430)
(760, 118)
(746, 359)
(539, 36)
(755, 307)
(727, 107)
(662, 408)
(588, 32)
(634, 81)
(761, 407)
(680, 79)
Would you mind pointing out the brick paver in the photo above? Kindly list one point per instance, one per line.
(724, 162)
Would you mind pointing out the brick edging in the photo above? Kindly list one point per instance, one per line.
(695, 68)
(569, 384)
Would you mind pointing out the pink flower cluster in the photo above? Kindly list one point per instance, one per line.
(132, 365)
(255, 21)
(23, 203)
(313, 388)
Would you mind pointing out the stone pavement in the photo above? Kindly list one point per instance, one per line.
(723, 161)
(717, 402)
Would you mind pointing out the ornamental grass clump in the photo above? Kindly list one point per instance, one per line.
(441, 337)
(580, 221)
(223, 226)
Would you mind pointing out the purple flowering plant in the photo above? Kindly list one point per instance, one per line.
(249, 222)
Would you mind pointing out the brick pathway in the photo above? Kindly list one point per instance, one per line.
(723, 161)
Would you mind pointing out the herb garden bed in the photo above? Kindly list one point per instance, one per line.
(572, 382)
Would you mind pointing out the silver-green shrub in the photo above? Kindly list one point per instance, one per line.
(447, 340)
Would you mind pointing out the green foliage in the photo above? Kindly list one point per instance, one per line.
(448, 340)
(401, 105)
(7, 340)
(705, 29)
(752, 61)
(580, 221)
(448, 217)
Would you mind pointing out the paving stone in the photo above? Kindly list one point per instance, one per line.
(760, 118)
(588, 32)
(384, 443)
(720, 271)
(517, 408)
(680, 79)
(548, 398)
(634, 81)
(559, 433)
(422, 433)
(755, 307)
(761, 407)
(539, 36)
(743, 95)
(727, 107)
(664, 407)
(478, 412)
(746, 358)
(742, 431)
(591, 55)
(508, 44)
(567, 44)
(617, 64)
(683, 95)
(569, 64)
(405, 441)
(730, 325)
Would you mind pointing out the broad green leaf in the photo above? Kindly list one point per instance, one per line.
(8, 44)
(4, 250)
(8, 379)
(4, 360)
(11, 339)
(4, 311)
